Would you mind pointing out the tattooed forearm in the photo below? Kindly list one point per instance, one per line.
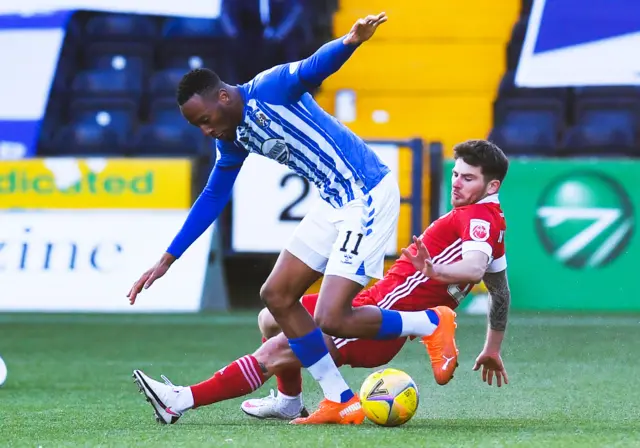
(498, 287)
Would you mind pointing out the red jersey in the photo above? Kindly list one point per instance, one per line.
(480, 226)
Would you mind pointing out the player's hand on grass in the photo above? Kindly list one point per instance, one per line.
(491, 363)
(363, 29)
(150, 276)
(422, 259)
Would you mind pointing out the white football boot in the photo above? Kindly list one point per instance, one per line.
(167, 399)
(272, 407)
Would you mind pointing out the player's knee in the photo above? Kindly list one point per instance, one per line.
(330, 322)
(274, 298)
(267, 324)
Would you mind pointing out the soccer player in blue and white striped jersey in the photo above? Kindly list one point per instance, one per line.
(343, 237)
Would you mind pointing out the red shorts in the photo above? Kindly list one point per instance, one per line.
(394, 293)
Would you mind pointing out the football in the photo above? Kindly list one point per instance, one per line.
(389, 397)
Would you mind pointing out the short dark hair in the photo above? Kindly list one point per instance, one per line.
(488, 156)
(197, 82)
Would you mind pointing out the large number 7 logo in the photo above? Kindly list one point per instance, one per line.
(458, 293)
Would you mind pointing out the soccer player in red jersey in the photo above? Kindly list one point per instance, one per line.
(455, 252)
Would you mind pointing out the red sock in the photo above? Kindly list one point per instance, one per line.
(290, 382)
(239, 378)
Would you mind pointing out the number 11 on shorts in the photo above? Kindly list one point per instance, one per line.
(346, 241)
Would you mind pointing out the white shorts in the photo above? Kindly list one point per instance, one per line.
(349, 241)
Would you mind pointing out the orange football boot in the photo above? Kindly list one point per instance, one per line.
(441, 346)
(330, 412)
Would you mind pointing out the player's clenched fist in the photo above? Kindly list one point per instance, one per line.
(363, 29)
(150, 276)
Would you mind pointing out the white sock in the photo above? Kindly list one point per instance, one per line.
(183, 399)
(326, 373)
(287, 404)
(416, 323)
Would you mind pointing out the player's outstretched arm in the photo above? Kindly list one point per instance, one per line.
(203, 213)
(500, 299)
(332, 55)
(468, 270)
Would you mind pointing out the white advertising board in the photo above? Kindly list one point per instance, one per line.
(187, 8)
(69, 261)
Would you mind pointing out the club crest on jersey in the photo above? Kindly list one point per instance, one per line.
(275, 149)
(479, 230)
(260, 118)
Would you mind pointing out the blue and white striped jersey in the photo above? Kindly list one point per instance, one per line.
(283, 122)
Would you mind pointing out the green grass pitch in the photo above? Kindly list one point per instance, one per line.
(574, 381)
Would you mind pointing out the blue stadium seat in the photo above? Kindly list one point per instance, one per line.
(189, 60)
(593, 139)
(612, 112)
(119, 56)
(121, 27)
(163, 84)
(87, 140)
(135, 65)
(169, 140)
(107, 84)
(547, 113)
(191, 28)
(166, 111)
(121, 116)
(524, 138)
(190, 36)
(607, 92)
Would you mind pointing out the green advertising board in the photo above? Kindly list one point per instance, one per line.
(570, 238)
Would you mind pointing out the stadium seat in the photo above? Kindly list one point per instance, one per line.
(607, 92)
(184, 38)
(528, 125)
(523, 138)
(117, 115)
(169, 140)
(107, 84)
(135, 65)
(190, 60)
(166, 111)
(596, 140)
(120, 27)
(163, 84)
(87, 140)
(191, 28)
(548, 113)
(614, 115)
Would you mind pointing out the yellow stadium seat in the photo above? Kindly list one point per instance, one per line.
(422, 67)
(449, 119)
(448, 20)
(424, 6)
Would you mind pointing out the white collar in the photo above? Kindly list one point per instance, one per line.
(491, 199)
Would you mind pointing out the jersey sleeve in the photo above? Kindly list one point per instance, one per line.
(229, 155)
(287, 82)
(213, 198)
(480, 230)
